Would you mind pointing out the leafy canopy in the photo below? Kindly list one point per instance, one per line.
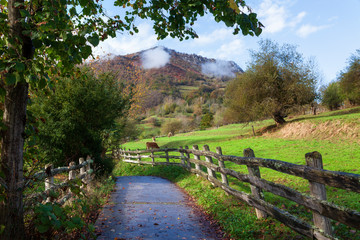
(277, 80)
(58, 34)
(331, 96)
(350, 79)
(77, 117)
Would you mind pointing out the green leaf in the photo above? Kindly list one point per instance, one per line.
(2, 228)
(10, 79)
(86, 51)
(4, 3)
(42, 83)
(19, 67)
(73, 11)
(87, 11)
(94, 40)
(42, 228)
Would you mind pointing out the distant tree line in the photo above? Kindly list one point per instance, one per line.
(277, 81)
(346, 88)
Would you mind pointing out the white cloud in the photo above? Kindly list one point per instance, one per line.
(276, 17)
(273, 16)
(217, 69)
(231, 49)
(125, 44)
(308, 29)
(297, 19)
(155, 58)
(220, 44)
(213, 37)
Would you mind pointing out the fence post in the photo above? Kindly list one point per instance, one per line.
(72, 173)
(254, 172)
(49, 181)
(182, 157)
(88, 170)
(317, 190)
(187, 157)
(129, 155)
(222, 166)
(138, 157)
(152, 157)
(196, 157)
(209, 160)
(82, 170)
(167, 155)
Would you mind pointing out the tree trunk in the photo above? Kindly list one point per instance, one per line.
(12, 144)
(279, 119)
(12, 135)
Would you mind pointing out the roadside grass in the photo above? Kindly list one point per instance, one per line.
(75, 220)
(338, 155)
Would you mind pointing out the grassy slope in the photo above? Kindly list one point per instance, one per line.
(339, 154)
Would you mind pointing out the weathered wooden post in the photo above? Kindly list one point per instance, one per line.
(72, 173)
(83, 169)
(254, 172)
(138, 157)
(197, 157)
(88, 169)
(129, 155)
(209, 160)
(188, 157)
(167, 155)
(182, 156)
(49, 181)
(152, 157)
(317, 190)
(222, 166)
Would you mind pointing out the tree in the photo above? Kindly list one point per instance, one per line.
(79, 116)
(277, 80)
(331, 96)
(350, 79)
(40, 39)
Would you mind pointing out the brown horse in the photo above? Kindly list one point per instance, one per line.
(151, 145)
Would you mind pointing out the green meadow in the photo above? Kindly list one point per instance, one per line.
(334, 134)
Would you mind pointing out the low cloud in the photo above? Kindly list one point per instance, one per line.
(275, 15)
(125, 43)
(217, 69)
(308, 29)
(155, 58)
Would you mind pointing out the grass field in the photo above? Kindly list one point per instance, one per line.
(334, 134)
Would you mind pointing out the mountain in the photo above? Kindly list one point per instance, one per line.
(163, 64)
(161, 72)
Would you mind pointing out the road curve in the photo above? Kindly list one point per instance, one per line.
(146, 207)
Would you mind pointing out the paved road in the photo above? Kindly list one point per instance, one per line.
(150, 208)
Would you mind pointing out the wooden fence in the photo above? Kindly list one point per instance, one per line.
(47, 175)
(312, 171)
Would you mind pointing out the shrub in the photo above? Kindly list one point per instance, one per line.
(331, 96)
(173, 126)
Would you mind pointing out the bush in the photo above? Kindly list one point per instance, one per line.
(331, 96)
(173, 126)
(78, 116)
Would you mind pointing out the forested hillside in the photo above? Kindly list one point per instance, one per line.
(170, 73)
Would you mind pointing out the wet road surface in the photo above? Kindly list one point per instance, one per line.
(145, 207)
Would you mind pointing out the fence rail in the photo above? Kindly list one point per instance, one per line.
(313, 172)
(47, 175)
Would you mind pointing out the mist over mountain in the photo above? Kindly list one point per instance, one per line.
(182, 68)
(168, 73)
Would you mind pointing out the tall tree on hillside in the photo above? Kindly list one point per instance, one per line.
(277, 80)
(331, 96)
(350, 79)
(39, 39)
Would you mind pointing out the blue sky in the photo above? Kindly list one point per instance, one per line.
(326, 30)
